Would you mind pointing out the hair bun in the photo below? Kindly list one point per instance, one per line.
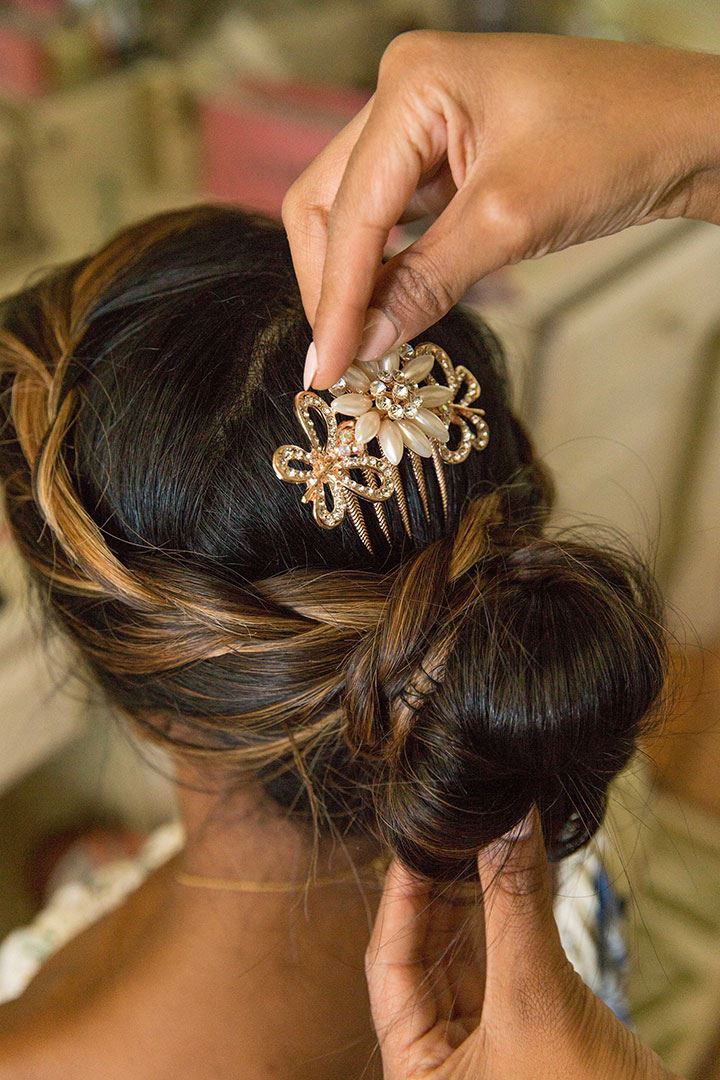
(555, 659)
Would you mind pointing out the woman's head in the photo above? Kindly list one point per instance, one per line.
(429, 694)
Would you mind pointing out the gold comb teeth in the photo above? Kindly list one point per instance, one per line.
(395, 404)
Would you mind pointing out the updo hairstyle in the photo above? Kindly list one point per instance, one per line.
(428, 695)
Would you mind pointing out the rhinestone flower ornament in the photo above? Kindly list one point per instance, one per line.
(396, 401)
(389, 404)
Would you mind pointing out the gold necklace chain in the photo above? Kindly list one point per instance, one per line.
(378, 865)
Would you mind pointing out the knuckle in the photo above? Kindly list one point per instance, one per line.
(545, 999)
(291, 203)
(302, 217)
(534, 1003)
(371, 956)
(505, 216)
(407, 48)
(416, 286)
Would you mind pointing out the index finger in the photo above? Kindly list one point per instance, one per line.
(395, 959)
(307, 204)
(382, 174)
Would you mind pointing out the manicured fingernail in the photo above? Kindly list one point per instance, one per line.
(311, 364)
(379, 335)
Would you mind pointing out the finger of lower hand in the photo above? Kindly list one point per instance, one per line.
(526, 964)
(455, 947)
(402, 1004)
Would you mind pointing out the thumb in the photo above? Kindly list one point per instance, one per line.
(414, 289)
(529, 977)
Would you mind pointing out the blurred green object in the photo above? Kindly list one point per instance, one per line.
(72, 57)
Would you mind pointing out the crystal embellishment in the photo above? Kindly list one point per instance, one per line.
(393, 390)
(412, 400)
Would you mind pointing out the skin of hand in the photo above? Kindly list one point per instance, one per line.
(513, 146)
(481, 989)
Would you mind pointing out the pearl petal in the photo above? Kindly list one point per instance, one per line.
(419, 367)
(391, 441)
(367, 426)
(414, 438)
(351, 404)
(435, 395)
(432, 425)
(390, 362)
(356, 379)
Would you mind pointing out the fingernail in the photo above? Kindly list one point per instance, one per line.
(498, 851)
(311, 364)
(379, 335)
(523, 830)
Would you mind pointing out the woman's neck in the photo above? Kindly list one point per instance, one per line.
(272, 961)
(242, 836)
(251, 984)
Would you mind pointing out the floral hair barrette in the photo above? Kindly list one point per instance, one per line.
(396, 408)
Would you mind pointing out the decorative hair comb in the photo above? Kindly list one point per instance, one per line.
(395, 403)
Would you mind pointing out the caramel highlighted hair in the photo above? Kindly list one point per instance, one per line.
(429, 696)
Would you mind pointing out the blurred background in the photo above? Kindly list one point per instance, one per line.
(111, 110)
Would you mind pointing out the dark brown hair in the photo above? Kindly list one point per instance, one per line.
(430, 694)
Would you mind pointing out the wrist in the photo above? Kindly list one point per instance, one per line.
(699, 139)
(702, 196)
(603, 1046)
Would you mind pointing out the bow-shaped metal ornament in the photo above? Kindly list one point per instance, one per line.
(328, 466)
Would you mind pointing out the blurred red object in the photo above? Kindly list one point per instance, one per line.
(23, 68)
(41, 7)
(258, 138)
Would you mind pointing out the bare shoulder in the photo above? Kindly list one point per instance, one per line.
(63, 990)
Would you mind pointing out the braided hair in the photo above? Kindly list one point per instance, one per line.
(429, 695)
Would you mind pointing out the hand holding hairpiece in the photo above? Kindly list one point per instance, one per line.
(396, 402)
